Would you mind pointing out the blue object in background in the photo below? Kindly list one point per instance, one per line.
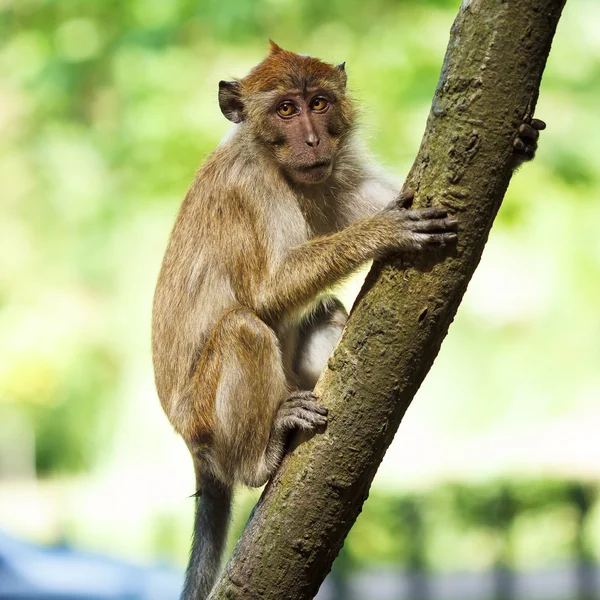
(30, 572)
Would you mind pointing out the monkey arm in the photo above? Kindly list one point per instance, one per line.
(316, 265)
(308, 269)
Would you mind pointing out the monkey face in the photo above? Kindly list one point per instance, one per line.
(296, 106)
(303, 145)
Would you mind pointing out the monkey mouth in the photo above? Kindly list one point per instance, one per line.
(316, 165)
(315, 172)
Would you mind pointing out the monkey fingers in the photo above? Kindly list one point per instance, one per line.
(402, 201)
(527, 137)
(528, 132)
(435, 212)
(436, 239)
(436, 225)
(538, 124)
(405, 199)
(302, 411)
(297, 401)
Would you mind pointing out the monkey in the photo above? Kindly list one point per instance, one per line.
(244, 320)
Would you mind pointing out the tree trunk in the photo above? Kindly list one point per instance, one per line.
(488, 85)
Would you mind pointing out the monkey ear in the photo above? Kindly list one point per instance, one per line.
(342, 70)
(230, 100)
(274, 48)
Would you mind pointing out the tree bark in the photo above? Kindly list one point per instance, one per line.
(489, 84)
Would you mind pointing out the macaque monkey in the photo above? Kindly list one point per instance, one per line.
(287, 205)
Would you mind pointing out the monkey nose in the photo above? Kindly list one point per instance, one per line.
(312, 140)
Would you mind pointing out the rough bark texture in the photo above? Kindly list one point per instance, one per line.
(489, 83)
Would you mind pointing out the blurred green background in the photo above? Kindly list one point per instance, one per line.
(106, 110)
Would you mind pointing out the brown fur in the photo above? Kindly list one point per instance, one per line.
(241, 315)
(245, 237)
(283, 70)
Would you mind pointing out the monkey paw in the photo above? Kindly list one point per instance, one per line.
(525, 143)
(302, 412)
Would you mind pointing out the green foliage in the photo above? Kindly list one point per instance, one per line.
(460, 526)
(70, 433)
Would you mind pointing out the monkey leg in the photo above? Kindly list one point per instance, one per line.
(318, 336)
(253, 410)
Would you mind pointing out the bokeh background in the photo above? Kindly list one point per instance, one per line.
(106, 110)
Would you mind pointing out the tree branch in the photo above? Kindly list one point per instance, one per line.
(489, 83)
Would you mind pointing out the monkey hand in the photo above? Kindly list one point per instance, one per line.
(415, 230)
(525, 144)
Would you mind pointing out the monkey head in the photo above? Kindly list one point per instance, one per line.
(296, 106)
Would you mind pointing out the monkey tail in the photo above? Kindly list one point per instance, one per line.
(213, 508)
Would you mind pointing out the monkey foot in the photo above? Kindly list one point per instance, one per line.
(302, 412)
(527, 137)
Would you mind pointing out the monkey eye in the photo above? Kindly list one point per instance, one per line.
(319, 104)
(286, 109)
